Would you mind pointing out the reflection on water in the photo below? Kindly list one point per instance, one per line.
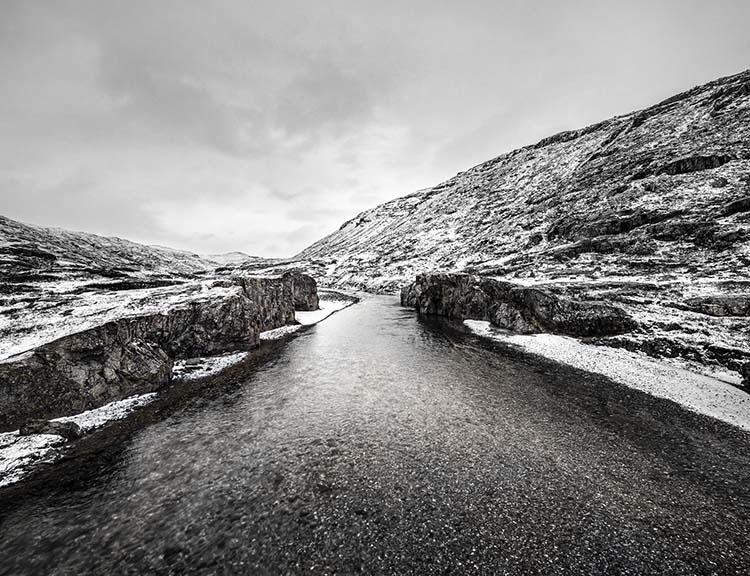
(378, 442)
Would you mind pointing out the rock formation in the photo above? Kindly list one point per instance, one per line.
(519, 308)
(304, 290)
(127, 342)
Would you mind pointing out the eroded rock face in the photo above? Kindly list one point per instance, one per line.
(304, 291)
(720, 305)
(507, 305)
(134, 354)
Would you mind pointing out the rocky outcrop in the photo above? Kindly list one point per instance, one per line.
(723, 305)
(519, 308)
(68, 430)
(304, 290)
(133, 354)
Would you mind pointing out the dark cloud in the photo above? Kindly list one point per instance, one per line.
(260, 126)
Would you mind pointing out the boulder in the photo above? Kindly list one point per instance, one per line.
(409, 295)
(68, 430)
(507, 305)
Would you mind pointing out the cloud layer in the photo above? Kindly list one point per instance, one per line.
(261, 126)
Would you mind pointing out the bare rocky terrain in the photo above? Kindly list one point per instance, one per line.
(648, 212)
(85, 320)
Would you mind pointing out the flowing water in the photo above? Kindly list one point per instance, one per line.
(378, 442)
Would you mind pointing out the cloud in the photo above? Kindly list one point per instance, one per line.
(260, 126)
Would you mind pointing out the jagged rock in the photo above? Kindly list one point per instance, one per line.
(741, 205)
(304, 290)
(520, 308)
(409, 295)
(68, 430)
(695, 163)
(133, 354)
(655, 197)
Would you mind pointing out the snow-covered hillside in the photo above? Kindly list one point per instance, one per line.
(650, 210)
(27, 251)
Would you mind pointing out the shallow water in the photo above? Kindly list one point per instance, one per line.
(382, 443)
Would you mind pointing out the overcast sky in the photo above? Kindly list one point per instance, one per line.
(262, 126)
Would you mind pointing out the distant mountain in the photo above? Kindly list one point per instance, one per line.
(29, 252)
(650, 209)
(229, 258)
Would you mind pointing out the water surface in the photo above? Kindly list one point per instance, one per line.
(382, 443)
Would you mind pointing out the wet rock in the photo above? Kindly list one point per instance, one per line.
(507, 305)
(409, 296)
(79, 372)
(68, 430)
(134, 354)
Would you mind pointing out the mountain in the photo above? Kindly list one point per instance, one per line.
(229, 258)
(29, 252)
(650, 210)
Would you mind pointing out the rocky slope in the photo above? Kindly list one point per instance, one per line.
(85, 320)
(649, 211)
(523, 309)
(31, 253)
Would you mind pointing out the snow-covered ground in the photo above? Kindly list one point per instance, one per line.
(19, 453)
(697, 392)
(327, 307)
(278, 333)
(195, 368)
(51, 319)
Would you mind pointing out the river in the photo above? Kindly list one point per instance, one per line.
(378, 442)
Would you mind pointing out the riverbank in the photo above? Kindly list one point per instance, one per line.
(697, 392)
(21, 455)
(388, 443)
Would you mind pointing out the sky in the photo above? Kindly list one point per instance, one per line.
(262, 126)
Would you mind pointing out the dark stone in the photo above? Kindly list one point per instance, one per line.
(720, 305)
(68, 430)
(745, 371)
(304, 291)
(134, 355)
(409, 296)
(741, 205)
(519, 308)
(696, 163)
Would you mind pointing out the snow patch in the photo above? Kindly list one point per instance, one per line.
(116, 410)
(327, 307)
(19, 453)
(697, 392)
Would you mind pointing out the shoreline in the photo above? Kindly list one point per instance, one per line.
(695, 392)
(21, 455)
